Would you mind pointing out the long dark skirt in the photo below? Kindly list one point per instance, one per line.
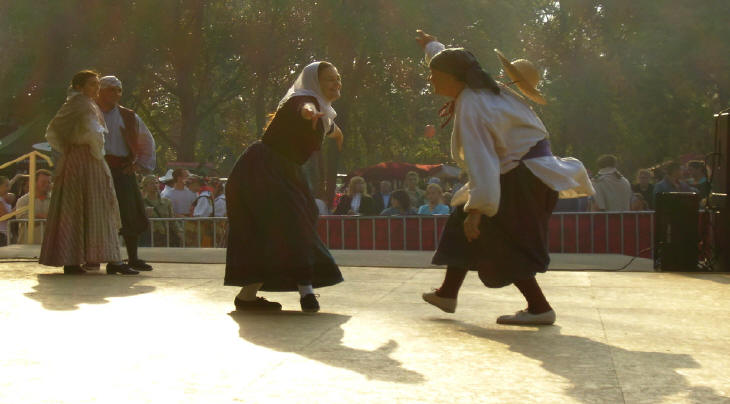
(131, 205)
(272, 217)
(513, 244)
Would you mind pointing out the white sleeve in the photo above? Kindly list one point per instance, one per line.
(432, 48)
(203, 208)
(481, 160)
(147, 158)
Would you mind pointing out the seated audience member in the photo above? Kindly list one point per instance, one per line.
(698, 177)
(447, 199)
(638, 202)
(671, 182)
(382, 197)
(400, 205)
(5, 208)
(180, 196)
(644, 186)
(158, 207)
(357, 201)
(434, 195)
(410, 185)
(42, 205)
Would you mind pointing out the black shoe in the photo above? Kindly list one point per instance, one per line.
(260, 304)
(309, 303)
(140, 265)
(73, 270)
(122, 269)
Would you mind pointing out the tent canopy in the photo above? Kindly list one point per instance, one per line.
(397, 171)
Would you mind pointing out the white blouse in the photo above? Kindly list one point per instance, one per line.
(491, 134)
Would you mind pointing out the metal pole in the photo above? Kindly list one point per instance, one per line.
(562, 233)
(199, 245)
(577, 239)
(622, 233)
(420, 233)
(31, 200)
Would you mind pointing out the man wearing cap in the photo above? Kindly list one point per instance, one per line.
(129, 148)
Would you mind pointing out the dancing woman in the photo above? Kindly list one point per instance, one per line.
(500, 221)
(273, 244)
(83, 217)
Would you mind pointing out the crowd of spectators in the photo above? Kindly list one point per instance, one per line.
(614, 192)
(180, 194)
(412, 199)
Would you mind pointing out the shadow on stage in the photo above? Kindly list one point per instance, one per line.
(66, 292)
(319, 337)
(649, 377)
(717, 277)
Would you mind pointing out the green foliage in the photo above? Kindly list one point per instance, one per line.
(638, 79)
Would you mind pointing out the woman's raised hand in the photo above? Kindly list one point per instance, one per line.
(310, 113)
(423, 38)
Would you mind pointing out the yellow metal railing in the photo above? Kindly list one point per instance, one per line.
(31, 192)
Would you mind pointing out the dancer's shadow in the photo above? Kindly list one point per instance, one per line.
(319, 337)
(717, 277)
(63, 292)
(583, 362)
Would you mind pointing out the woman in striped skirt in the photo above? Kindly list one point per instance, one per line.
(83, 218)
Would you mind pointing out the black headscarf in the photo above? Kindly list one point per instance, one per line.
(462, 64)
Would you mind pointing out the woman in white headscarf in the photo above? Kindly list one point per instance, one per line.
(273, 244)
(83, 217)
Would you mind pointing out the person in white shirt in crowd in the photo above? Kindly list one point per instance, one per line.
(500, 220)
(435, 206)
(613, 190)
(202, 206)
(42, 204)
(181, 197)
(129, 149)
(219, 197)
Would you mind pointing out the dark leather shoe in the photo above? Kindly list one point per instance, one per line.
(73, 270)
(260, 304)
(140, 265)
(309, 303)
(122, 269)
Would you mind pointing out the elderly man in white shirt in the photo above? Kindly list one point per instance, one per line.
(129, 148)
(499, 223)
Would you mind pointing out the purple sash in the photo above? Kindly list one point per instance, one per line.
(540, 149)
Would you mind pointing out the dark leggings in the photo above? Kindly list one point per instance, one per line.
(536, 301)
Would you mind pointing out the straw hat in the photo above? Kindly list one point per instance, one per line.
(523, 74)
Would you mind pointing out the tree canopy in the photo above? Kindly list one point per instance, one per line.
(636, 79)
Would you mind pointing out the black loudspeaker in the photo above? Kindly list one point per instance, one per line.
(676, 231)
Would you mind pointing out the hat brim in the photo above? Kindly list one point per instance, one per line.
(517, 78)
